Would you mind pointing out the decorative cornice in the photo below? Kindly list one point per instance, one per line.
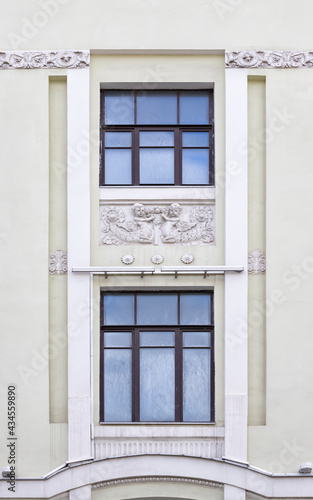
(58, 262)
(268, 59)
(256, 262)
(64, 59)
(157, 479)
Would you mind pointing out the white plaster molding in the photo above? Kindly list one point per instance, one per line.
(127, 259)
(172, 223)
(58, 262)
(269, 59)
(157, 479)
(204, 448)
(256, 262)
(44, 59)
(187, 258)
(157, 259)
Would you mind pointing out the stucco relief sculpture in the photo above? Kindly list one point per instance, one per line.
(157, 225)
(44, 59)
(256, 262)
(268, 59)
(58, 262)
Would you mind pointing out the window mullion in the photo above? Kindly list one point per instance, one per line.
(178, 376)
(136, 376)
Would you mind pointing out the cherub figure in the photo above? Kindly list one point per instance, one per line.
(143, 221)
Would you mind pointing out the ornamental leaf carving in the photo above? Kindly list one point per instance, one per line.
(45, 59)
(172, 224)
(268, 59)
(256, 262)
(58, 262)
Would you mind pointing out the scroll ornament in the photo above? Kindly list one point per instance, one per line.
(58, 262)
(157, 225)
(256, 262)
(44, 59)
(268, 59)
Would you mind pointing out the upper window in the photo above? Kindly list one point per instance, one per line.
(157, 137)
(157, 357)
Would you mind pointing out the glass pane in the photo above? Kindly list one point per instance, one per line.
(117, 385)
(156, 166)
(156, 139)
(196, 139)
(194, 108)
(195, 309)
(118, 139)
(196, 385)
(196, 339)
(118, 309)
(157, 338)
(157, 309)
(157, 385)
(157, 108)
(119, 108)
(195, 166)
(118, 166)
(117, 339)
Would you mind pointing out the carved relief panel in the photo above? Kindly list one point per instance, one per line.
(165, 223)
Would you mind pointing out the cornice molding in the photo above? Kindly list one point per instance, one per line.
(157, 479)
(63, 59)
(269, 59)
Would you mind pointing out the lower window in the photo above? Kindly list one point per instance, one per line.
(157, 362)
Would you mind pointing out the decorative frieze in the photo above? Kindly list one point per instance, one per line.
(256, 262)
(58, 262)
(156, 479)
(64, 59)
(207, 448)
(268, 59)
(173, 223)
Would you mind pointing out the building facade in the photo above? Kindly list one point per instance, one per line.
(156, 295)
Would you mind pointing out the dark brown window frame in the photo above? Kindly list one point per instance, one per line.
(135, 329)
(177, 129)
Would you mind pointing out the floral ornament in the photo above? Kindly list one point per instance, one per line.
(58, 262)
(157, 259)
(187, 258)
(256, 262)
(127, 259)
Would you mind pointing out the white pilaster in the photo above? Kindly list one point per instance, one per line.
(236, 285)
(79, 395)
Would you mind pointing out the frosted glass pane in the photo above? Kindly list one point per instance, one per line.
(196, 385)
(194, 108)
(118, 309)
(157, 108)
(196, 139)
(118, 166)
(157, 385)
(118, 139)
(117, 339)
(157, 338)
(156, 166)
(196, 339)
(157, 309)
(119, 108)
(195, 309)
(156, 139)
(117, 385)
(195, 166)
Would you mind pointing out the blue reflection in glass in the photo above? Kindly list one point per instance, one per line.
(157, 385)
(195, 309)
(118, 309)
(118, 166)
(156, 166)
(196, 339)
(196, 139)
(157, 108)
(156, 139)
(194, 108)
(157, 338)
(157, 309)
(117, 385)
(117, 339)
(118, 139)
(196, 385)
(195, 166)
(119, 108)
